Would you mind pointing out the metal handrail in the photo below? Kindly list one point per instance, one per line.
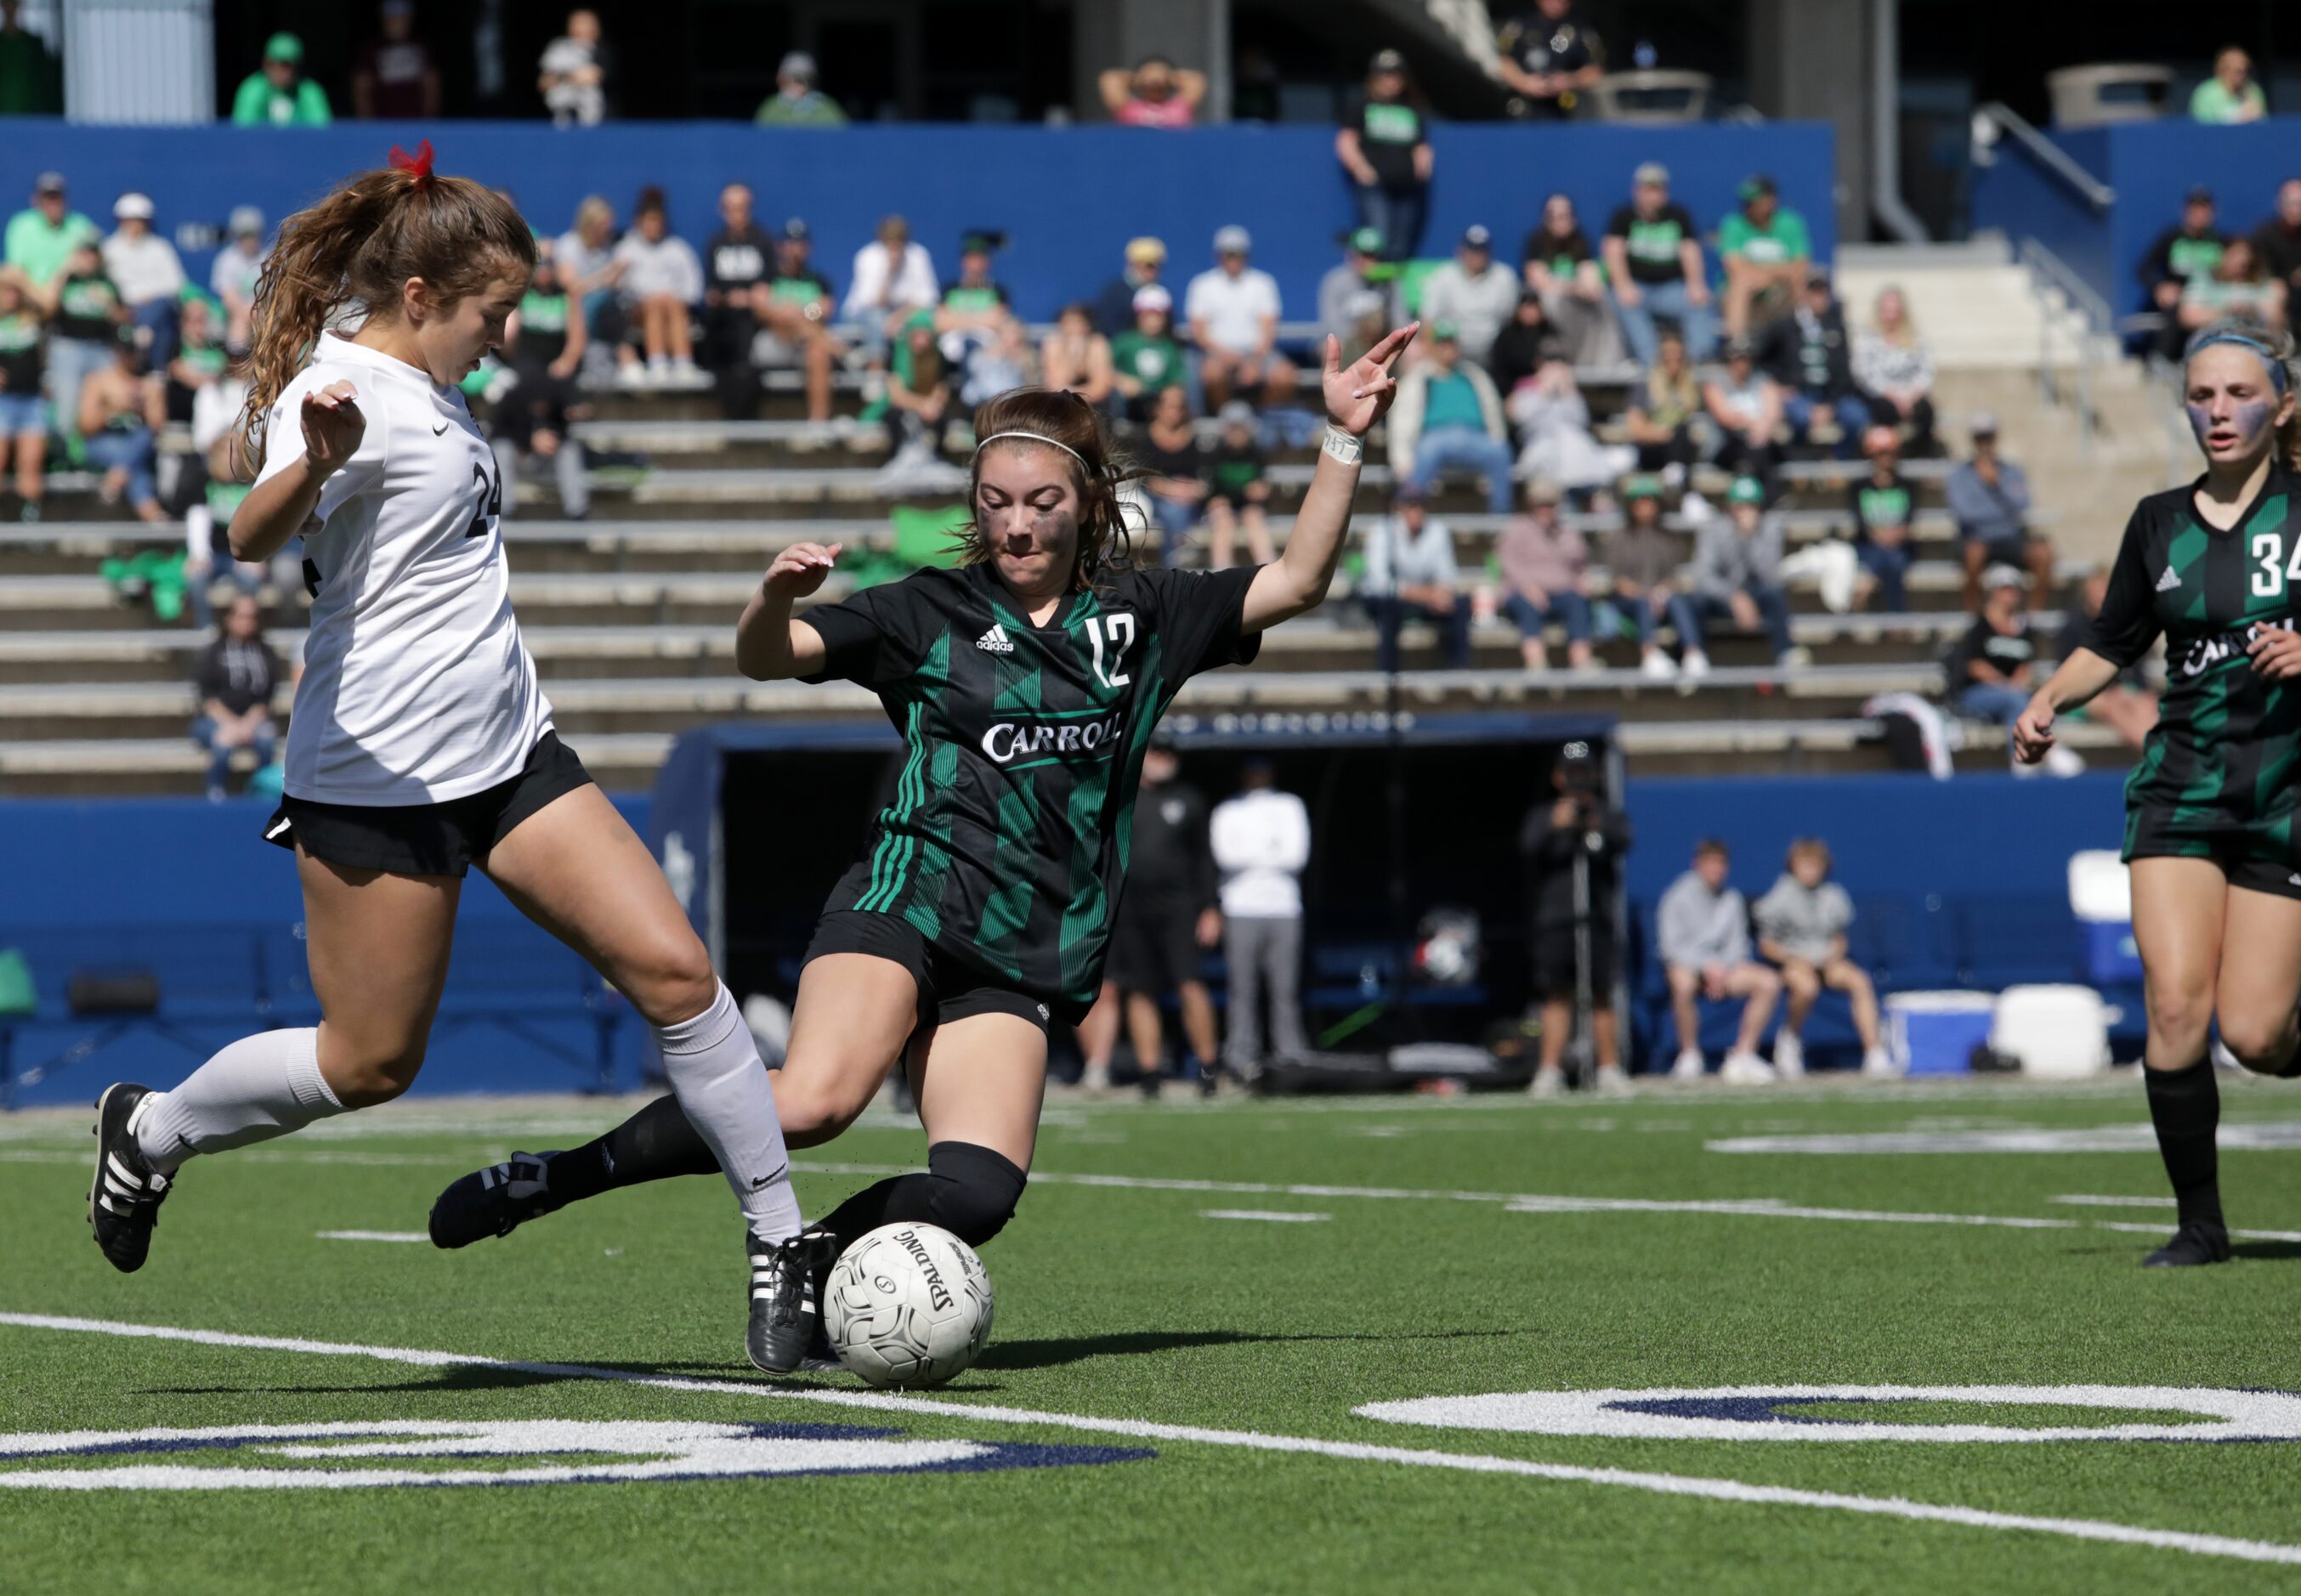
(1999, 117)
(2043, 262)
(2048, 271)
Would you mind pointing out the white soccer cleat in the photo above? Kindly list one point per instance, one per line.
(1690, 1066)
(1549, 1081)
(1611, 1082)
(1879, 1065)
(1789, 1056)
(1745, 1069)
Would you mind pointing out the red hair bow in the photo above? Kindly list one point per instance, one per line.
(418, 165)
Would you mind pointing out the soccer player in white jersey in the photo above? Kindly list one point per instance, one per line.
(421, 743)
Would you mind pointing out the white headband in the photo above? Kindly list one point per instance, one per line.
(1036, 437)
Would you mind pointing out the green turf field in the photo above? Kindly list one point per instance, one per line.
(1168, 1400)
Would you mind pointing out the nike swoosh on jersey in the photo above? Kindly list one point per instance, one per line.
(441, 428)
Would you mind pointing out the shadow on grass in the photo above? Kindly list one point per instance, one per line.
(2285, 1251)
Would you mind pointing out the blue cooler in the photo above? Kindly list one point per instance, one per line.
(2101, 897)
(1935, 1034)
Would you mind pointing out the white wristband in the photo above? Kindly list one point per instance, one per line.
(1341, 445)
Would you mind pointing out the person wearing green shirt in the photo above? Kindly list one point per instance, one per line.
(31, 84)
(1766, 251)
(796, 102)
(1145, 359)
(2231, 95)
(41, 239)
(279, 94)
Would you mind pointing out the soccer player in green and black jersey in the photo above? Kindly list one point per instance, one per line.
(1026, 685)
(2215, 569)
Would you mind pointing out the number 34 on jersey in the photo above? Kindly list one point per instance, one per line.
(2274, 569)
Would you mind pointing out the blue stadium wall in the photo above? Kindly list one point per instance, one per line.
(1066, 198)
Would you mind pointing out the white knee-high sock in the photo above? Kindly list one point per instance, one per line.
(723, 1089)
(260, 1087)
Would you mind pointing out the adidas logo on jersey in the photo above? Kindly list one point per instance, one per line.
(2169, 581)
(995, 640)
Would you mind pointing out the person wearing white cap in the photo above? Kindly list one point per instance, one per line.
(1233, 312)
(796, 102)
(1145, 359)
(143, 266)
(233, 278)
(1473, 291)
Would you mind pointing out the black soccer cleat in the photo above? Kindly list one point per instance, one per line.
(2196, 1242)
(786, 1300)
(494, 1201)
(125, 1198)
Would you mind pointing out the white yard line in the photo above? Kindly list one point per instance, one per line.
(371, 1235)
(1663, 1484)
(1268, 1215)
(2085, 1200)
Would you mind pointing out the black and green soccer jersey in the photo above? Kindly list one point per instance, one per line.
(1006, 844)
(2217, 777)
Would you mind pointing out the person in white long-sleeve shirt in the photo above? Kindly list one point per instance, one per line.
(894, 276)
(1261, 841)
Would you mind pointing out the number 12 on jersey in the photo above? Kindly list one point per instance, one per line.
(1116, 632)
(2275, 572)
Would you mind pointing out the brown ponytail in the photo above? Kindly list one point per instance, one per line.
(1097, 471)
(359, 246)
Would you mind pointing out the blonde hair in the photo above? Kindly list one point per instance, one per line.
(2275, 350)
(1907, 334)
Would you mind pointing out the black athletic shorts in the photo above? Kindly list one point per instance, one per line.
(1154, 945)
(1554, 962)
(2251, 854)
(427, 838)
(949, 989)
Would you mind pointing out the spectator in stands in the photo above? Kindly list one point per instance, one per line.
(31, 80)
(143, 267)
(1473, 292)
(23, 408)
(233, 275)
(591, 270)
(1642, 557)
(1355, 292)
(1238, 488)
(1553, 420)
(1157, 93)
(276, 95)
(919, 401)
(235, 678)
(981, 334)
(2278, 240)
(577, 74)
(535, 419)
(41, 238)
(662, 282)
(2190, 249)
(1168, 918)
(1893, 366)
(796, 102)
(1411, 573)
(1801, 924)
(1260, 839)
(395, 78)
(85, 336)
(200, 358)
(1233, 311)
(1767, 255)
(2231, 95)
(1577, 834)
(1114, 310)
(122, 410)
(1383, 145)
(1991, 670)
(1549, 56)
(1557, 265)
(1076, 357)
(1738, 575)
(736, 264)
(1653, 259)
(1526, 343)
(1811, 356)
(795, 312)
(2239, 286)
(1883, 505)
(1989, 497)
(1701, 930)
(892, 277)
(1659, 417)
(1175, 471)
(2128, 705)
(219, 452)
(1447, 416)
(1145, 359)
(1546, 571)
(1746, 405)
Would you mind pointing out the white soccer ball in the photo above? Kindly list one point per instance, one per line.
(908, 1306)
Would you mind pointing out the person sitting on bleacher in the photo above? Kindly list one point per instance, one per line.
(1545, 567)
(1641, 558)
(1894, 367)
(1232, 310)
(24, 407)
(1738, 574)
(1174, 472)
(2190, 248)
(1993, 670)
(1560, 267)
(891, 278)
(918, 403)
(1526, 343)
(544, 345)
(1882, 505)
(2239, 286)
(737, 260)
(795, 313)
(1746, 405)
(1990, 498)
(1076, 357)
(1801, 924)
(2277, 239)
(662, 284)
(1811, 355)
(1701, 930)
(123, 407)
(1146, 361)
(1766, 254)
(1238, 488)
(1355, 291)
(1114, 307)
(234, 678)
(2128, 705)
(1411, 572)
(1653, 262)
(1660, 416)
(1473, 292)
(1448, 416)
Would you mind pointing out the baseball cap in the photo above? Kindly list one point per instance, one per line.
(1754, 185)
(1446, 332)
(1237, 413)
(1151, 297)
(49, 182)
(1386, 61)
(1817, 276)
(1746, 490)
(1476, 237)
(798, 64)
(1984, 424)
(796, 230)
(1366, 241)
(1145, 248)
(976, 244)
(2199, 194)
(246, 221)
(283, 47)
(2001, 576)
(132, 207)
(1232, 239)
(1652, 171)
(1542, 490)
(1645, 485)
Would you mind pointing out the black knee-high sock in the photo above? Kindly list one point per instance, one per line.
(2184, 1105)
(654, 1144)
(969, 1191)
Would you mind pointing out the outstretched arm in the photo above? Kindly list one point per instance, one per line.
(769, 645)
(1356, 398)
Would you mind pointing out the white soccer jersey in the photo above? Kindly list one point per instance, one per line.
(416, 687)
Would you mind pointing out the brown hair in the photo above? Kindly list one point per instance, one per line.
(1097, 471)
(1813, 845)
(361, 243)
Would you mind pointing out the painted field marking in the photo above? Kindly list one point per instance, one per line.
(1272, 1215)
(1663, 1484)
(2262, 1136)
(2083, 1201)
(371, 1235)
